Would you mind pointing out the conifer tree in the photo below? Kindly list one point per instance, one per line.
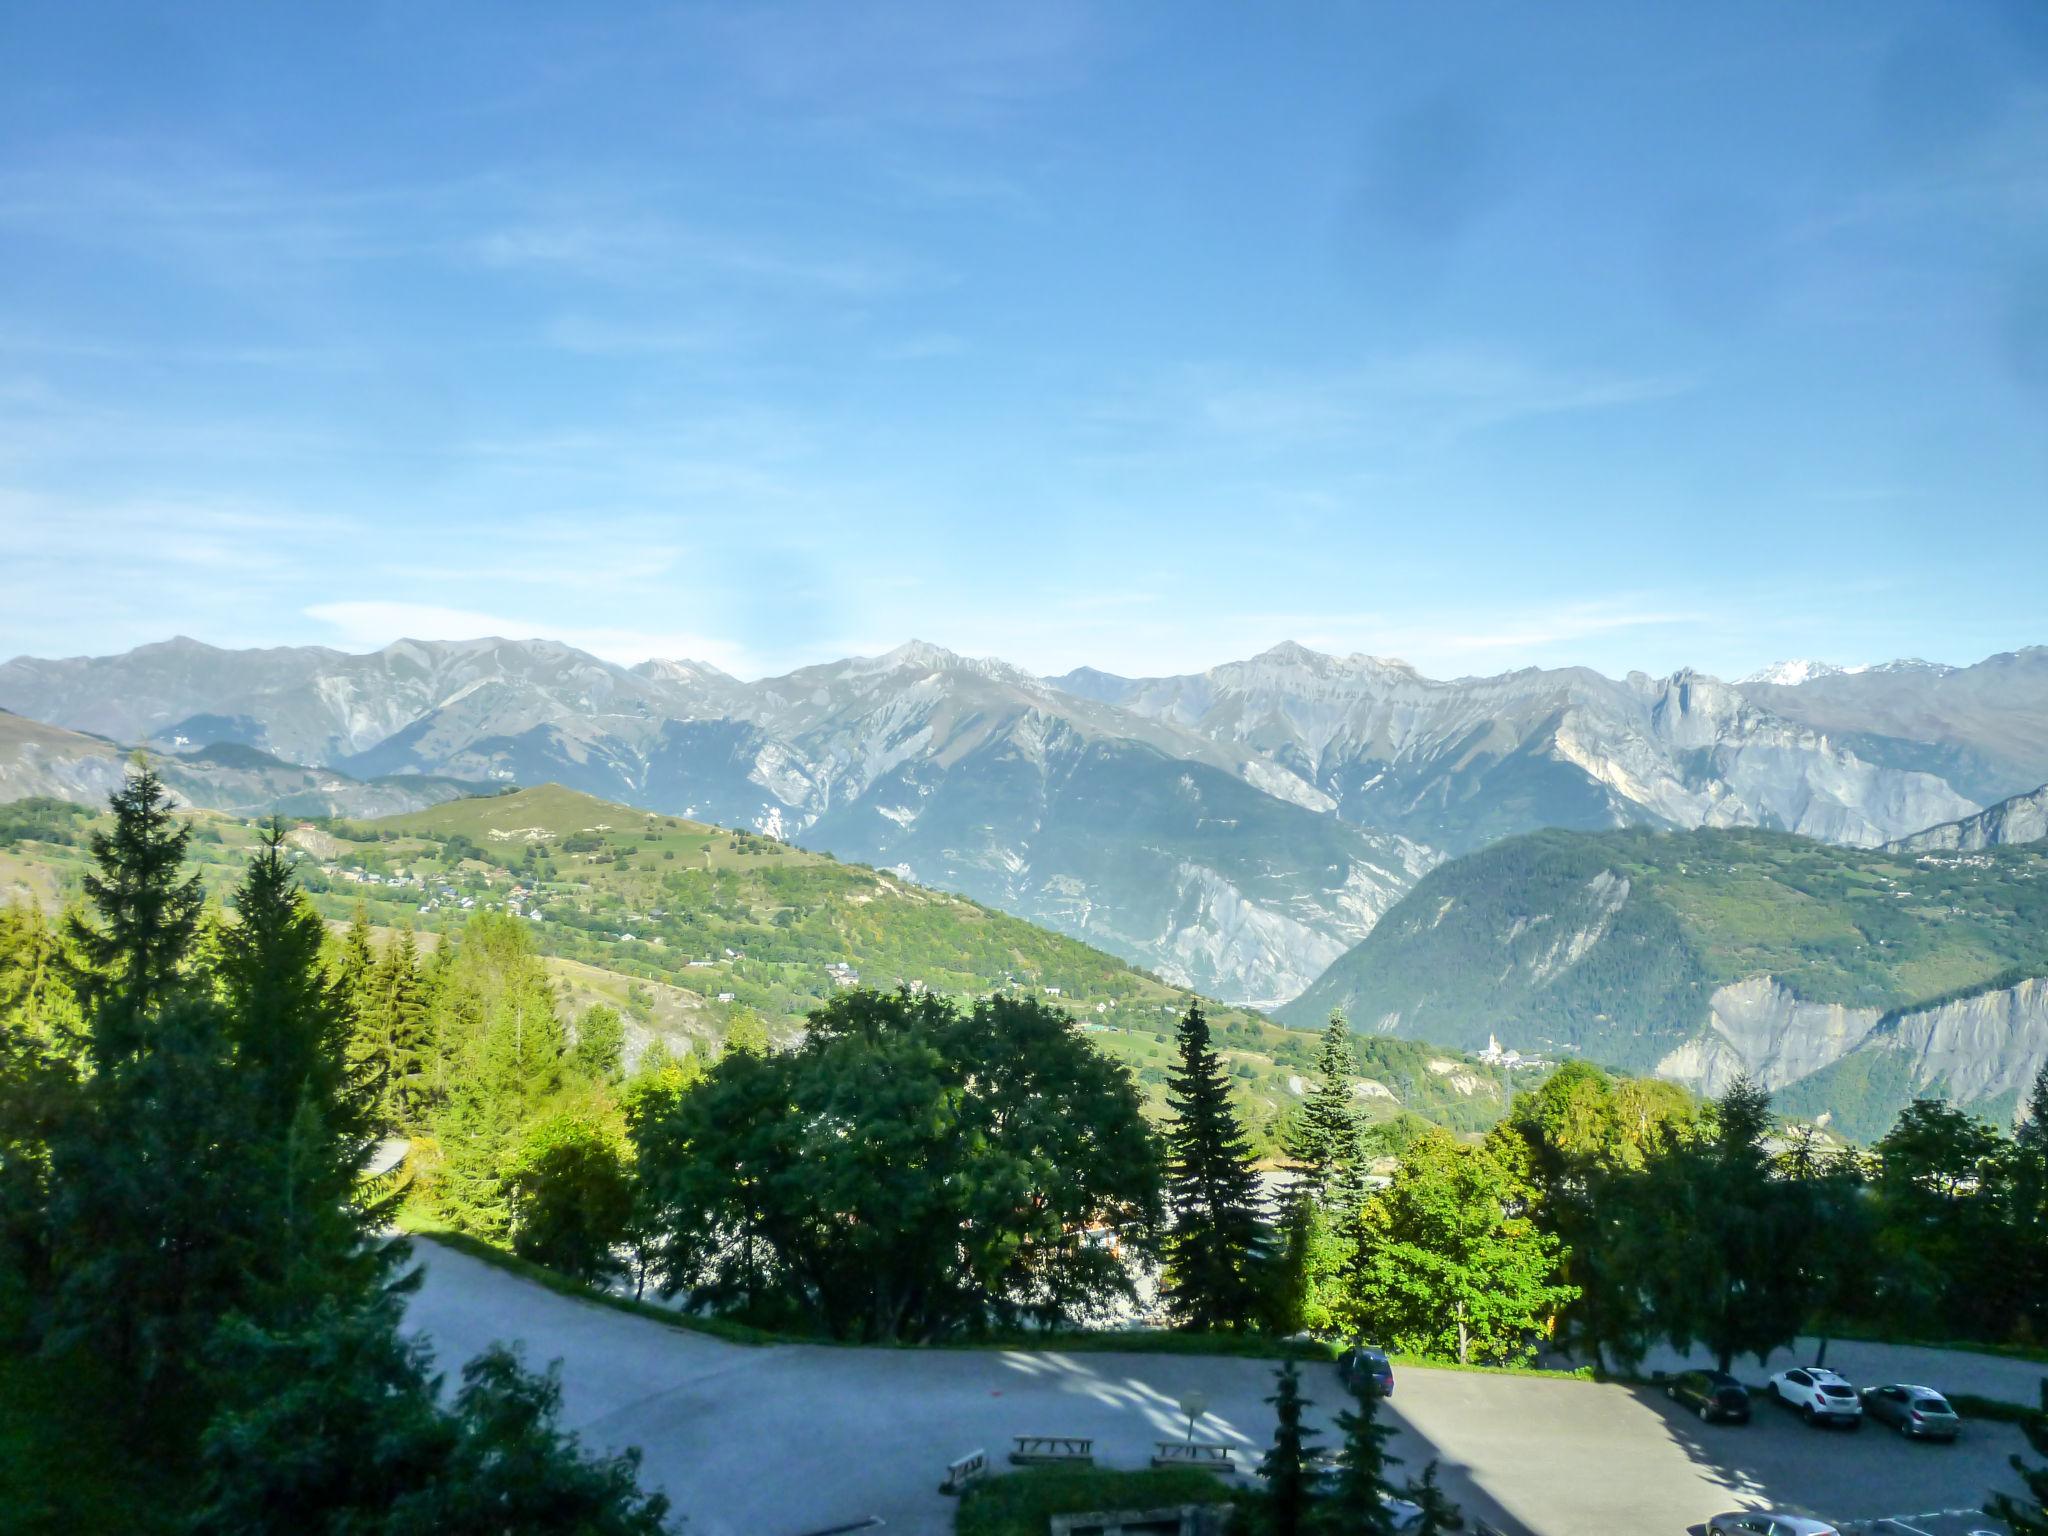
(1358, 1505)
(309, 1116)
(144, 1176)
(396, 1038)
(355, 971)
(600, 1044)
(147, 918)
(1439, 1514)
(1324, 1139)
(2027, 1204)
(1213, 1247)
(1285, 1467)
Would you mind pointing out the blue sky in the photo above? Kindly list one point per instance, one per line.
(1142, 336)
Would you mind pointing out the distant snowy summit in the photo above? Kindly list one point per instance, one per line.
(1790, 674)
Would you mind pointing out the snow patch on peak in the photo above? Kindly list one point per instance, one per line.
(1790, 674)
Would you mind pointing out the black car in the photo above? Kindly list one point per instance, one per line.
(1713, 1395)
(1365, 1369)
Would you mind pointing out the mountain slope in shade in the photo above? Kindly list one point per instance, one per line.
(2022, 819)
(47, 760)
(1457, 764)
(1852, 979)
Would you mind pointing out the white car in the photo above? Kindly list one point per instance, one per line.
(1819, 1395)
(1765, 1522)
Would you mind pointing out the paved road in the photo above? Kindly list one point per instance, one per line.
(791, 1439)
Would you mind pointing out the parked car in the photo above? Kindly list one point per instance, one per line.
(1365, 1369)
(1920, 1413)
(1819, 1395)
(1768, 1522)
(1710, 1394)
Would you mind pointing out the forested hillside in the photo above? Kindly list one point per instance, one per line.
(1649, 950)
(684, 928)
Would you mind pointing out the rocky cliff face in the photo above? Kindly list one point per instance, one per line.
(2022, 819)
(1978, 1049)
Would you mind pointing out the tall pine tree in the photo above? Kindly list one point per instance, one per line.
(144, 1176)
(1214, 1248)
(146, 919)
(396, 1035)
(310, 1117)
(1285, 1466)
(1358, 1505)
(1324, 1137)
(2027, 1205)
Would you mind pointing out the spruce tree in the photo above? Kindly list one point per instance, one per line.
(142, 1175)
(147, 918)
(1324, 1139)
(600, 1044)
(1213, 1248)
(1439, 1514)
(396, 1038)
(2027, 1205)
(355, 972)
(1358, 1506)
(1285, 1467)
(309, 1116)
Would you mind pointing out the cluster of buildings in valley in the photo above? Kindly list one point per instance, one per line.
(1495, 1056)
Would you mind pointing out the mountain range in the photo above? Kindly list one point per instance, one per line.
(1235, 830)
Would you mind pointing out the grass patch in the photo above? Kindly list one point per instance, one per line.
(67, 1465)
(1423, 1363)
(1160, 1341)
(2034, 1352)
(1023, 1503)
(1970, 1406)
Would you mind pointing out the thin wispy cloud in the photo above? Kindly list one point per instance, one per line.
(372, 624)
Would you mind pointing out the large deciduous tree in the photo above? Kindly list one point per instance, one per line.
(1449, 1259)
(908, 1171)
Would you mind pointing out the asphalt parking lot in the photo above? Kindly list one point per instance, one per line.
(787, 1440)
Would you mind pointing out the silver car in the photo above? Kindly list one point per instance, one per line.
(1767, 1522)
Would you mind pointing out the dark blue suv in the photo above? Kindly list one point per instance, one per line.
(1364, 1369)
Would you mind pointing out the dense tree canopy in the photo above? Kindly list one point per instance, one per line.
(185, 1118)
(1450, 1260)
(910, 1170)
